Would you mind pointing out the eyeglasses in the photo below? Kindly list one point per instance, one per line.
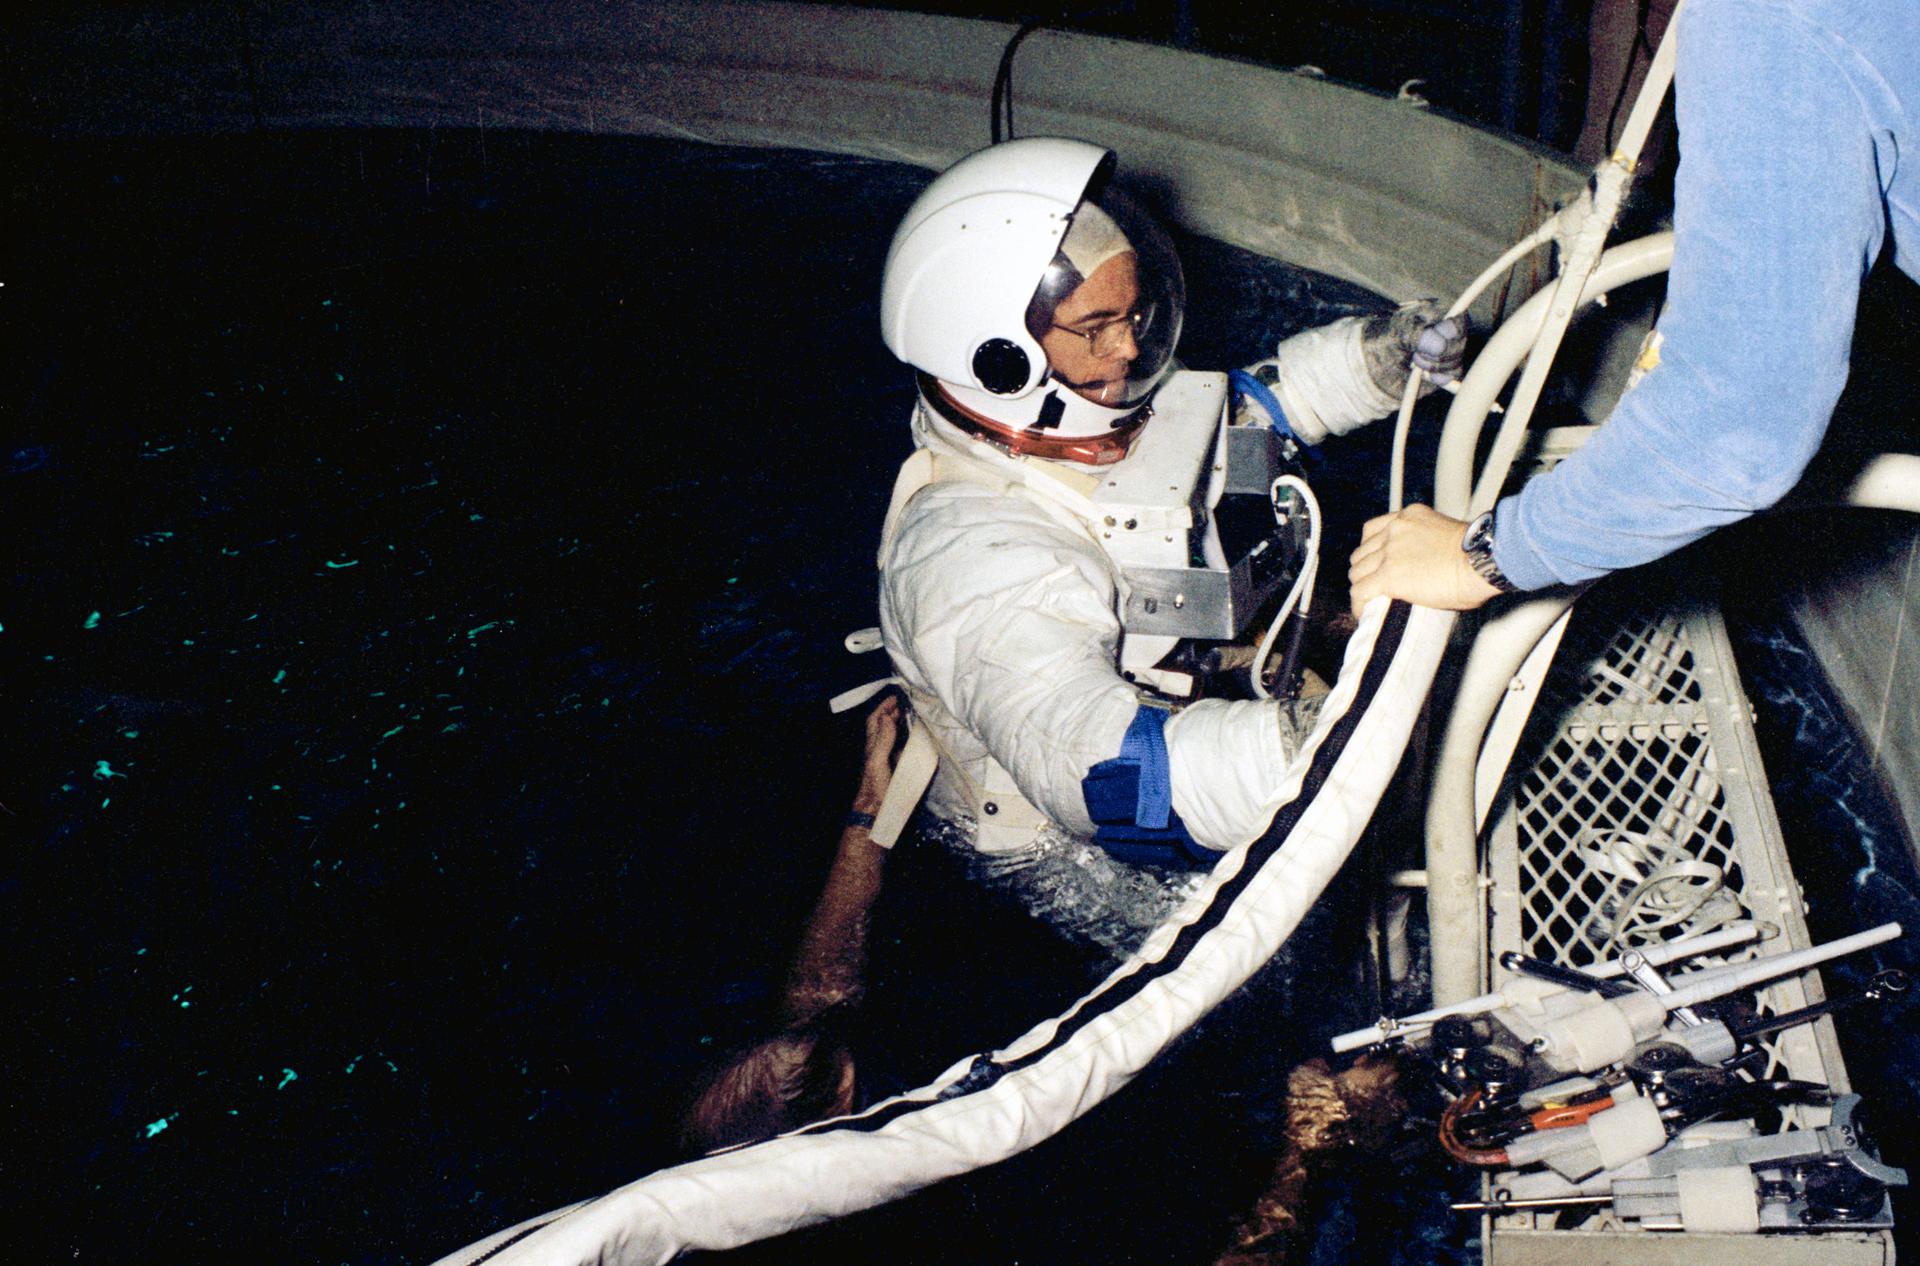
(1105, 341)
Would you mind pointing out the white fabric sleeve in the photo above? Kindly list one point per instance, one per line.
(1323, 381)
(1226, 758)
(1006, 614)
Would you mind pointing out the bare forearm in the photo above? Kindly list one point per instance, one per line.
(830, 966)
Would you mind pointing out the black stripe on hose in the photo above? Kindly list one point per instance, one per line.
(511, 1240)
(985, 1071)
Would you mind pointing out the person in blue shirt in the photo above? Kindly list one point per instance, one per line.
(1800, 154)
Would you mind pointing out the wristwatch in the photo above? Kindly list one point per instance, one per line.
(1478, 545)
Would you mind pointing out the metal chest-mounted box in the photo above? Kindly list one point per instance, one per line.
(1207, 573)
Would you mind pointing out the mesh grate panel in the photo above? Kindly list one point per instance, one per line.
(1647, 661)
(1640, 756)
(1600, 797)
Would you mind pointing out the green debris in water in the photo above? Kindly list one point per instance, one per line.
(280, 676)
(333, 566)
(157, 1126)
(288, 1077)
(92, 621)
(104, 770)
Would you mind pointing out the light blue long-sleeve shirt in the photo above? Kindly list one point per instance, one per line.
(1799, 151)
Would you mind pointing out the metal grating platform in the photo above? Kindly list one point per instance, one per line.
(1630, 772)
(1641, 755)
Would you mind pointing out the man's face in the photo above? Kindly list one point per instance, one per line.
(1107, 297)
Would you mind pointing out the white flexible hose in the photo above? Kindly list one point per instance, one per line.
(1403, 425)
(1302, 590)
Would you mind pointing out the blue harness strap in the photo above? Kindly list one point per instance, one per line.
(1245, 384)
(1130, 798)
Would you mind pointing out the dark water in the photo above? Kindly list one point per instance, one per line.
(428, 558)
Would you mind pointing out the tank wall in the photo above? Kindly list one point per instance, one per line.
(1375, 190)
(1863, 625)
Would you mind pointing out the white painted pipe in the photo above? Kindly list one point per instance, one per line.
(1690, 990)
(1452, 834)
(1890, 481)
(1455, 910)
(1504, 352)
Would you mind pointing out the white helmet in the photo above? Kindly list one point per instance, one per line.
(974, 276)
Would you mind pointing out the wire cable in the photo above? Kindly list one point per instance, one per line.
(1001, 106)
(1303, 583)
(1485, 1158)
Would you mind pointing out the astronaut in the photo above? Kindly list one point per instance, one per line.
(1041, 308)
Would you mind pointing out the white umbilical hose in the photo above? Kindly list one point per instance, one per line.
(1302, 590)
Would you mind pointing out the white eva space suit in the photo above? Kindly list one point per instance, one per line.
(1042, 311)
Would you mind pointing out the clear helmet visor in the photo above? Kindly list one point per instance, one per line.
(1108, 308)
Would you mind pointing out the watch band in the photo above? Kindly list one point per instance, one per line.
(1478, 546)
